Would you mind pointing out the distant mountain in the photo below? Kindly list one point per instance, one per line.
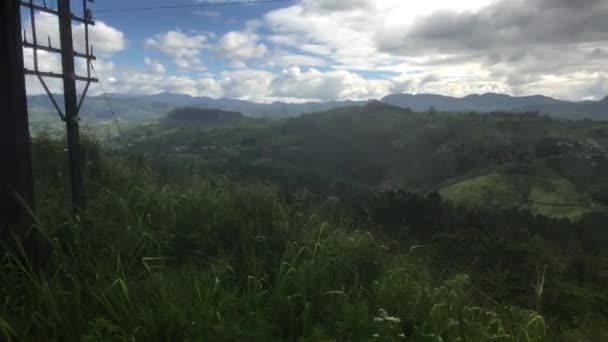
(492, 102)
(255, 109)
(148, 108)
(476, 103)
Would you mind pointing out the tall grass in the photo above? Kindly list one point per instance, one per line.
(207, 261)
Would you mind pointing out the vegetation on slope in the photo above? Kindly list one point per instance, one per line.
(552, 196)
(558, 164)
(205, 261)
(186, 116)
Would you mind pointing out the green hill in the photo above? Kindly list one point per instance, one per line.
(554, 167)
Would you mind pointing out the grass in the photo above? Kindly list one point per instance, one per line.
(214, 261)
(548, 195)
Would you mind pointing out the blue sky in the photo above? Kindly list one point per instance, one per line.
(141, 25)
(318, 50)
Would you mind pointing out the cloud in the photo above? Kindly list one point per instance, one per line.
(360, 49)
(105, 39)
(292, 84)
(514, 46)
(283, 58)
(512, 23)
(127, 80)
(332, 85)
(241, 46)
(156, 66)
(183, 48)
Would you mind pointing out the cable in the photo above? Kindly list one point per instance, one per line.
(105, 96)
(207, 4)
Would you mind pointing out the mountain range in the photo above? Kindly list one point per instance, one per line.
(491, 102)
(151, 107)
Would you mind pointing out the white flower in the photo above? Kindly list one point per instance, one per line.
(394, 319)
(375, 335)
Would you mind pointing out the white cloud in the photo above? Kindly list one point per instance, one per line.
(105, 39)
(446, 39)
(183, 48)
(246, 84)
(286, 59)
(117, 79)
(156, 66)
(291, 84)
(331, 85)
(375, 47)
(241, 46)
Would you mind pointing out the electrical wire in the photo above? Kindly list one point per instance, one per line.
(206, 4)
(105, 96)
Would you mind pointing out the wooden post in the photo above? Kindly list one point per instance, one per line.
(71, 103)
(16, 189)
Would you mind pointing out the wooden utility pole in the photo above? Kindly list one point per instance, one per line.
(71, 105)
(16, 189)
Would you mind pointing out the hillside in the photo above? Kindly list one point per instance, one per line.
(561, 164)
(158, 256)
(197, 259)
(186, 116)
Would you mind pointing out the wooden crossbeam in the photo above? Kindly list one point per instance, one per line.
(52, 11)
(56, 50)
(57, 75)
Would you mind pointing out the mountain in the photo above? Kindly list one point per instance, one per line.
(249, 108)
(492, 102)
(149, 108)
(489, 102)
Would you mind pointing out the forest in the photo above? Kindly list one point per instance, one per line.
(360, 223)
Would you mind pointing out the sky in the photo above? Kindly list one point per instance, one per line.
(321, 50)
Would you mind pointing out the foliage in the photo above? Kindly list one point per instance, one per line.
(213, 260)
(555, 168)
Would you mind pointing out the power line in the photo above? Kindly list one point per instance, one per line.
(105, 96)
(206, 4)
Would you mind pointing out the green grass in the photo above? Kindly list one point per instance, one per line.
(546, 194)
(214, 261)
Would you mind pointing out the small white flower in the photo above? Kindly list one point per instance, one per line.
(394, 319)
(378, 319)
(375, 335)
